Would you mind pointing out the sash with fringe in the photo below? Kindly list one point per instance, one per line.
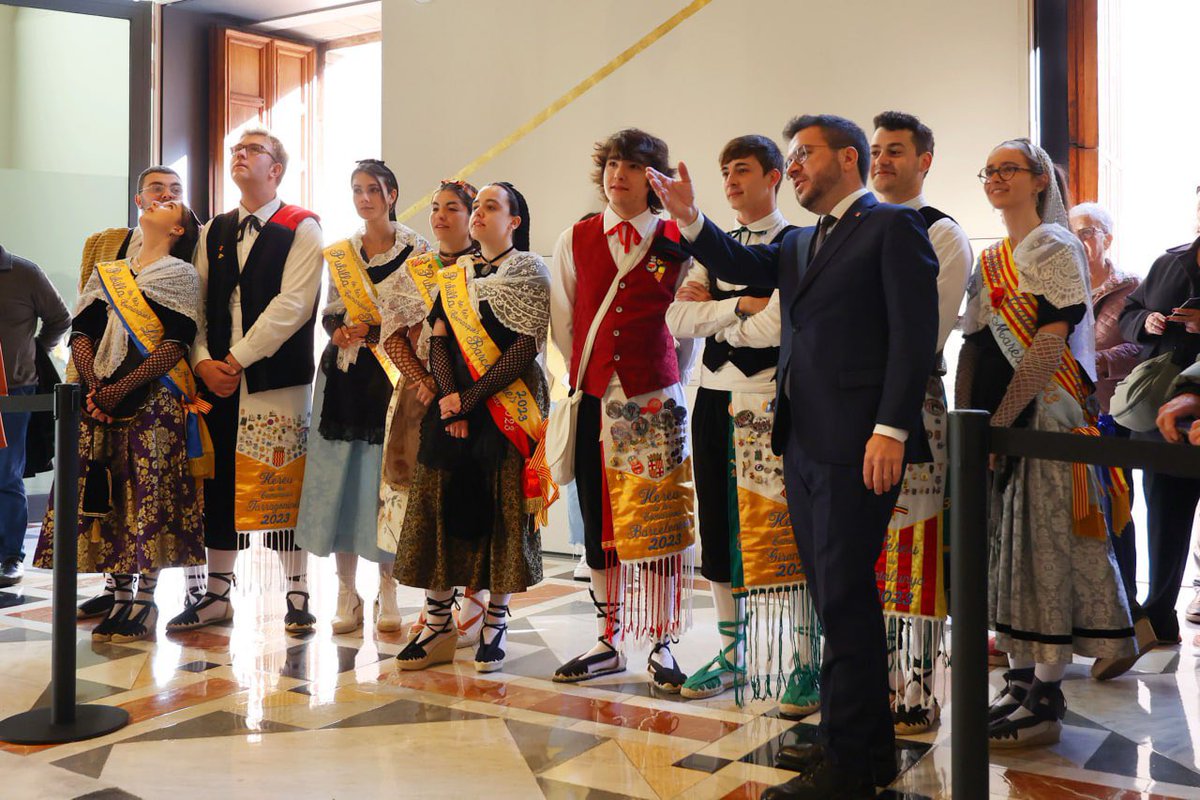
(349, 276)
(780, 620)
(127, 301)
(513, 409)
(1014, 324)
(648, 522)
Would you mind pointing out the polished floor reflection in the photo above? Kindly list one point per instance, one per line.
(245, 711)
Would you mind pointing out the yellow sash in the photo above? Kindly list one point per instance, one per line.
(350, 278)
(424, 269)
(143, 325)
(514, 408)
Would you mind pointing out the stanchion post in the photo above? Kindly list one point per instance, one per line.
(64, 720)
(968, 582)
(66, 552)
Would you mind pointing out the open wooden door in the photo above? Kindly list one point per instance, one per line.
(272, 82)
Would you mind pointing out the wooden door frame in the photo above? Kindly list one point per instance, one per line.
(143, 105)
(218, 116)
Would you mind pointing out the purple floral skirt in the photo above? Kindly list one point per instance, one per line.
(156, 519)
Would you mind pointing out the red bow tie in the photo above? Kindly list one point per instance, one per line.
(627, 235)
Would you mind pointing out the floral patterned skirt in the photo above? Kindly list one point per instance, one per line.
(507, 557)
(156, 519)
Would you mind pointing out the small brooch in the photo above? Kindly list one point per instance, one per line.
(997, 296)
(658, 267)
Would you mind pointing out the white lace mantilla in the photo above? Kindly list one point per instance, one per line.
(168, 281)
(519, 295)
(405, 237)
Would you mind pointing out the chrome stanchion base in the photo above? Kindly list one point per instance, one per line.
(38, 727)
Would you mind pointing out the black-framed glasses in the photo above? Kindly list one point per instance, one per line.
(801, 154)
(251, 149)
(1004, 172)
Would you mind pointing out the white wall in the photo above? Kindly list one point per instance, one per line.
(66, 80)
(460, 75)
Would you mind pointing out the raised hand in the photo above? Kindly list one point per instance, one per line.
(677, 195)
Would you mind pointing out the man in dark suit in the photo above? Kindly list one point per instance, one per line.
(858, 296)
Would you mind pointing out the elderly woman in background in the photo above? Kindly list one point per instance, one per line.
(1115, 358)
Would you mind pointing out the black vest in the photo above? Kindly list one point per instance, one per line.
(748, 360)
(259, 279)
(932, 215)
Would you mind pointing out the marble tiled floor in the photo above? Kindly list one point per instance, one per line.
(244, 711)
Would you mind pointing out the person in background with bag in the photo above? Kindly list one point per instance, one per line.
(1115, 358)
(615, 275)
(26, 297)
(1155, 319)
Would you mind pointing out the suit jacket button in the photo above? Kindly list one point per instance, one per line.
(795, 328)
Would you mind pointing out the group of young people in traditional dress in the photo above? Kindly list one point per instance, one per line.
(424, 446)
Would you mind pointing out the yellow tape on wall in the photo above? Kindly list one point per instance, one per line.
(562, 102)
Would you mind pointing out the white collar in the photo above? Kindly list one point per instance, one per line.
(264, 213)
(644, 223)
(839, 211)
(773, 220)
(404, 237)
(917, 203)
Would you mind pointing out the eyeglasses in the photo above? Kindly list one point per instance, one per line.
(1004, 172)
(801, 154)
(174, 189)
(1089, 232)
(251, 149)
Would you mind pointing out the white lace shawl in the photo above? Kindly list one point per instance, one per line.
(168, 281)
(405, 237)
(518, 294)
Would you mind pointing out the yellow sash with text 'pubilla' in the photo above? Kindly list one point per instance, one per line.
(146, 330)
(513, 408)
(353, 284)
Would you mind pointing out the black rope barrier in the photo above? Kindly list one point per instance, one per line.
(63, 720)
(971, 440)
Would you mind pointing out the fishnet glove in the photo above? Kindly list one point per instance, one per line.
(331, 322)
(400, 350)
(372, 336)
(510, 366)
(83, 356)
(441, 366)
(156, 364)
(1031, 376)
(964, 378)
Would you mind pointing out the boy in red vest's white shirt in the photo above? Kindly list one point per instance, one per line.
(618, 272)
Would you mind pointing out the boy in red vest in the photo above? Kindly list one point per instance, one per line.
(615, 275)
(260, 271)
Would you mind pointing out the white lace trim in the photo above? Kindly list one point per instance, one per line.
(405, 237)
(169, 281)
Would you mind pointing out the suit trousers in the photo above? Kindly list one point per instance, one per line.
(1170, 513)
(711, 472)
(840, 528)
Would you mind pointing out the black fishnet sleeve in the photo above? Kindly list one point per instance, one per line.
(441, 366)
(1037, 367)
(83, 355)
(156, 364)
(964, 377)
(511, 365)
(372, 336)
(400, 350)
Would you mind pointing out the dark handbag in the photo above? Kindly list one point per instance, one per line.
(39, 436)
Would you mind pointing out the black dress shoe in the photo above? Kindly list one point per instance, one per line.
(11, 571)
(800, 757)
(822, 780)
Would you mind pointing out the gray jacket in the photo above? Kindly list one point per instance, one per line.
(27, 295)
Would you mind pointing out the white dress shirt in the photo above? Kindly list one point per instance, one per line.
(692, 231)
(718, 318)
(953, 250)
(287, 311)
(562, 283)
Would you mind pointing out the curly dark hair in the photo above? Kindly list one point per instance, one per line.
(637, 146)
